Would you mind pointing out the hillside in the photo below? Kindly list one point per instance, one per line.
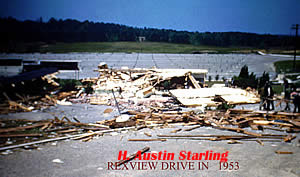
(29, 36)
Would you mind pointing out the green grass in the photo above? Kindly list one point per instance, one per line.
(135, 47)
(286, 66)
(277, 89)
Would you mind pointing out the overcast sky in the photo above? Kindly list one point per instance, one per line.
(256, 16)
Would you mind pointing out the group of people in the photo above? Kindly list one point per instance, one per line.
(267, 97)
(291, 94)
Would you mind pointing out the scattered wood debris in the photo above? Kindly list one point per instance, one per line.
(145, 98)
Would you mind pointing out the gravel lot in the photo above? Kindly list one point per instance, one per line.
(91, 158)
(226, 65)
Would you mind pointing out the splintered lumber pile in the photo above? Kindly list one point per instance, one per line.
(132, 84)
(14, 132)
(250, 124)
(28, 94)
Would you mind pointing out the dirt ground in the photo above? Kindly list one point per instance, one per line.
(92, 158)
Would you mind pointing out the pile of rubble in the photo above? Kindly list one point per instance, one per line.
(145, 98)
(249, 124)
(138, 86)
(130, 88)
(27, 94)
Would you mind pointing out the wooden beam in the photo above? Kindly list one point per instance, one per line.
(20, 135)
(14, 129)
(62, 138)
(156, 139)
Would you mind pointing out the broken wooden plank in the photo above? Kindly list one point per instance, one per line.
(87, 139)
(194, 138)
(83, 124)
(295, 123)
(176, 130)
(256, 127)
(62, 138)
(132, 156)
(240, 111)
(265, 122)
(69, 130)
(244, 123)
(267, 140)
(193, 128)
(17, 105)
(46, 126)
(289, 138)
(226, 137)
(238, 136)
(148, 134)
(57, 129)
(33, 143)
(155, 139)
(194, 81)
(6, 96)
(76, 119)
(260, 142)
(272, 128)
(239, 130)
(283, 152)
(21, 135)
(93, 128)
(234, 142)
(85, 136)
(22, 128)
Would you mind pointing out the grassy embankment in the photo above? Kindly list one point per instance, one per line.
(286, 66)
(135, 47)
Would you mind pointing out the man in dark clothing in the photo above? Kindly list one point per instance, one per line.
(287, 98)
(269, 96)
(296, 100)
(262, 99)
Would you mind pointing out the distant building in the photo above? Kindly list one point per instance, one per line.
(13, 67)
(10, 67)
(142, 38)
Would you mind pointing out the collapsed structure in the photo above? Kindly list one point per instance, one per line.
(131, 87)
(184, 85)
(147, 98)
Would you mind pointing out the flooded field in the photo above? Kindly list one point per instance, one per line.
(224, 65)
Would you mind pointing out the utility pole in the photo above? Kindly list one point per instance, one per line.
(295, 27)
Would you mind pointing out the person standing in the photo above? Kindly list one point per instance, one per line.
(262, 103)
(287, 94)
(287, 97)
(269, 95)
(296, 100)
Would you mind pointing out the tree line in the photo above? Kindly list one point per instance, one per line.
(14, 31)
